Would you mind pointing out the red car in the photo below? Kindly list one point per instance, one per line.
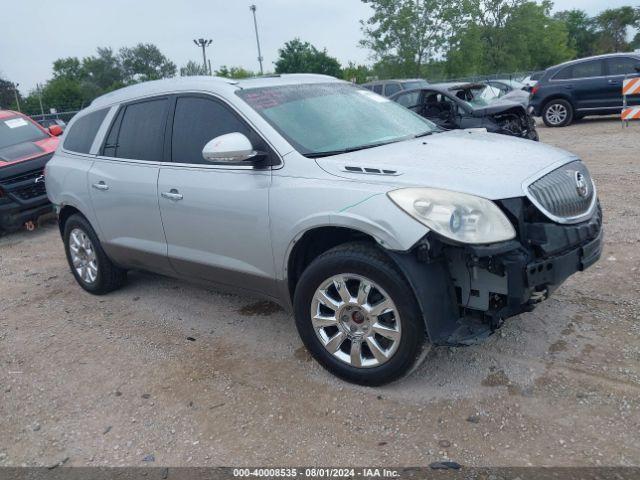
(25, 148)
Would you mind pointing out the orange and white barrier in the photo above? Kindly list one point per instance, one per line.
(631, 113)
(631, 86)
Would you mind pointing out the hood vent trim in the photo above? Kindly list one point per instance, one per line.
(370, 170)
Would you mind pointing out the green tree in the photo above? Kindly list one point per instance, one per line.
(192, 69)
(104, 70)
(508, 36)
(145, 62)
(234, 72)
(581, 29)
(301, 57)
(356, 73)
(7, 95)
(406, 34)
(614, 27)
(70, 68)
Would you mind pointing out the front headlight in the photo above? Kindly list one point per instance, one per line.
(457, 216)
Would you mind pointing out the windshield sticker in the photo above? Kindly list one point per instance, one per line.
(16, 122)
(374, 96)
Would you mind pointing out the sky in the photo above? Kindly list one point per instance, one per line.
(34, 33)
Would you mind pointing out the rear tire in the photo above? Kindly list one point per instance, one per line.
(89, 264)
(361, 341)
(558, 113)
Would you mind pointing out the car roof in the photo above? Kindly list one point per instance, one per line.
(10, 113)
(389, 80)
(458, 86)
(206, 84)
(598, 57)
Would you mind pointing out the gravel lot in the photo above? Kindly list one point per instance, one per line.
(166, 373)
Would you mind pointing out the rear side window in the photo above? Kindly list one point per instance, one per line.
(198, 120)
(377, 89)
(138, 131)
(392, 88)
(622, 65)
(80, 136)
(588, 69)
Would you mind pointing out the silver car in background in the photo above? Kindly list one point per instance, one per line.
(378, 230)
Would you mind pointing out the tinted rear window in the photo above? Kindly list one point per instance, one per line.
(140, 131)
(83, 131)
(17, 130)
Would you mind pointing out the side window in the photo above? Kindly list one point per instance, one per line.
(377, 89)
(622, 65)
(409, 100)
(392, 88)
(564, 74)
(198, 120)
(588, 69)
(82, 133)
(138, 131)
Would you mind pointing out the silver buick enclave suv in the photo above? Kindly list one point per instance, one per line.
(381, 232)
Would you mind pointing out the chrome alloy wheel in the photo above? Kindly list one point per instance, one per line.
(83, 255)
(356, 320)
(557, 113)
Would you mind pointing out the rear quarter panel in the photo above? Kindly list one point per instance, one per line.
(66, 182)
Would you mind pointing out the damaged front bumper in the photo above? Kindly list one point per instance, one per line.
(484, 285)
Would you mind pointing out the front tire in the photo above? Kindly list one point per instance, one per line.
(558, 113)
(89, 264)
(357, 315)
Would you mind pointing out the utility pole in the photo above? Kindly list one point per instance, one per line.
(40, 99)
(15, 91)
(201, 42)
(255, 25)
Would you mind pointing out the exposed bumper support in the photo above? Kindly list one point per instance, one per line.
(466, 292)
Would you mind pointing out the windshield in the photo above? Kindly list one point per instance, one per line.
(326, 119)
(15, 130)
(478, 95)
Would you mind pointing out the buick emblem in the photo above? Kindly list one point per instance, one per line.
(581, 185)
(39, 179)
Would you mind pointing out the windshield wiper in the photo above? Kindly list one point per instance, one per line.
(346, 150)
(425, 134)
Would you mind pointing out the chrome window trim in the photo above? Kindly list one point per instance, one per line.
(562, 220)
(116, 107)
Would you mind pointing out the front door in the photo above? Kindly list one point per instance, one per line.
(123, 187)
(619, 68)
(215, 217)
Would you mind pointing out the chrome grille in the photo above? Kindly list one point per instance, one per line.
(566, 194)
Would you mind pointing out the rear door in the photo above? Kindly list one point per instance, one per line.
(215, 216)
(123, 186)
(619, 68)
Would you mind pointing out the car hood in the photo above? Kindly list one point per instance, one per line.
(470, 161)
(497, 106)
(27, 150)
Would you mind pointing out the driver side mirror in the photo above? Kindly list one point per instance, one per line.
(55, 130)
(230, 148)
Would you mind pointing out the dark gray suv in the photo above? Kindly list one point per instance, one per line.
(590, 86)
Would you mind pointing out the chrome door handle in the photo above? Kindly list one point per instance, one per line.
(100, 186)
(173, 194)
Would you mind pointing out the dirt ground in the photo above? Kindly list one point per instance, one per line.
(167, 373)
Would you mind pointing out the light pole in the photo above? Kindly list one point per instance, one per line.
(15, 91)
(255, 25)
(201, 42)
